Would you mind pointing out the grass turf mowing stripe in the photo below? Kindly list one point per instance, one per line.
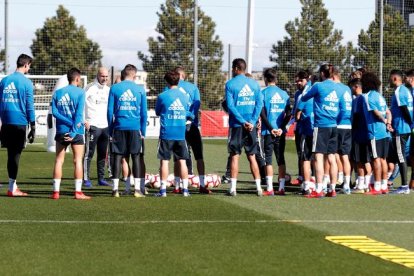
(375, 248)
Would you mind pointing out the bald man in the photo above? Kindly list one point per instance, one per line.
(96, 125)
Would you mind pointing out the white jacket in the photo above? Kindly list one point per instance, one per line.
(96, 104)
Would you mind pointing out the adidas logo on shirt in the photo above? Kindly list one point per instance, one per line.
(276, 99)
(176, 105)
(246, 92)
(332, 97)
(65, 100)
(127, 96)
(11, 88)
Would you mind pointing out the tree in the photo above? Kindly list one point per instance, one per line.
(398, 40)
(174, 47)
(2, 60)
(311, 40)
(60, 44)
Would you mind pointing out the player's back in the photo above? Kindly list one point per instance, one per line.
(126, 105)
(401, 97)
(345, 106)
(376, 128)
(275, 102)
(17, 104)
(359, 121)
(172, 107)
(242, 95)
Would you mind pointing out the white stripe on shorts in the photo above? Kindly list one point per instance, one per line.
(400, 153)
(374, 148)
(315, 139)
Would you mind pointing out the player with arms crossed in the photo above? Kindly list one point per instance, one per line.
(16, 113)
(244, 102)
(127, 121)
(67, 107)
(172, 107)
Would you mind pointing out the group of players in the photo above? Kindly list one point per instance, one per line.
(338, 127)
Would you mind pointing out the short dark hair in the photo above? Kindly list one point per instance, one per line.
(410, 73)
(370, 81)
(397, 72)
(123, 74)
(172, 77)
(23, 59)
(327, 69)
(73, 73)
(239, 64)
(354, 81)
(270, 75)
(302, 74)
(130, 69)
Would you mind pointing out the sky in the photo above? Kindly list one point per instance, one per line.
(122, 27)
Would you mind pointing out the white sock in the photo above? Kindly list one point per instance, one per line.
(131, 180)
(282, 184)
(12, 185)
(233, 184)
(347, 182)
(377, 186)
(325, 179)
(361, 183)
(128, 184)
(138, 184)
(185, 184)
(305, 185)
(258, 184)
(202, 181)
(78, 185)
(341, 177)
(142, 185)
(367, 181)
(56, 185)
(163, 185)
(115, 181)
(269, 183)
(332, 187)
(384, 184)
(319, 187)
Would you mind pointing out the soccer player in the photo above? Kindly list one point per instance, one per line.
(127, 123)
(173, 108)
(378, 119)
(244, 102)
(326, 107)
(410, 83)
(344, 132)
(304, 126)
(360, 140)
(192, 134)
(68, 105)
(16, 113)
(96, 124)
(275, 115)
(402, 119)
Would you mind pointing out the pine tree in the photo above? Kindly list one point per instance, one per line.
(61, 44)
(174, 47)
(398, 40)
(311, 40)
(2, 59)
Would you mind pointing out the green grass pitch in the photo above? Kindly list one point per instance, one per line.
(200, 235)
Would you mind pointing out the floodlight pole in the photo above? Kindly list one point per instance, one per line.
(195, 42)
(6, 36)
(249, 35)
(229, 64)
(381, 53)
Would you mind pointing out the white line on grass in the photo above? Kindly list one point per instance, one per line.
(6, 221)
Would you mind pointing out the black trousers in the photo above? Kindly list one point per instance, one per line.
(95, 138)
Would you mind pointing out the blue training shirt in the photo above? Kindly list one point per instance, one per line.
(244, 100)
(127, 107)
(325, 103)
(345, 106)
(275, 101)
(172, 107)
(402, 97)
(67, 107)
(376, 128)
(17, 102)
(307, 117)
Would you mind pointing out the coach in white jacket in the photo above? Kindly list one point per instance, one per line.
(97, 136)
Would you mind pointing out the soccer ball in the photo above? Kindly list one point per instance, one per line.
(148, 178)
(170, 180)
(194, 181)
(155, 181)
(212, 180)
